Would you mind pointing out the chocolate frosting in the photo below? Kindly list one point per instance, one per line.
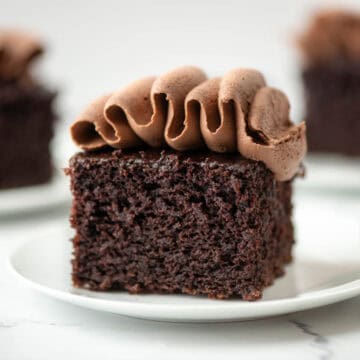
(332, 35)
(17, 51)
(186, 111)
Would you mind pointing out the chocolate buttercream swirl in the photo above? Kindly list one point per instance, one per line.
(186, 111)
(332, 35)
(17, 52)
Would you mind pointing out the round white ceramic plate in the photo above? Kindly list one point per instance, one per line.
(34, 198)
(326, 269)
(331, 173)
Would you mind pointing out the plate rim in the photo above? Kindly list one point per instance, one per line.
(339, 162)
(56, 182)
(212, 312)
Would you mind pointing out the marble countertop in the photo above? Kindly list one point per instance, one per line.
(33, 326)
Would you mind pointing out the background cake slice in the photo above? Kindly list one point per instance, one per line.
(185, 186)
(26, 114)
(331, 76)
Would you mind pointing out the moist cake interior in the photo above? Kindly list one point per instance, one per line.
(169, 222)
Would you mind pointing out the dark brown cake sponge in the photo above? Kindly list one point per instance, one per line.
(26, 127)
(333, 108)
(168, 222)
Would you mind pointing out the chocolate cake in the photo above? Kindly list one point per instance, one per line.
(185, 186)
(26, 115)
(331, 76)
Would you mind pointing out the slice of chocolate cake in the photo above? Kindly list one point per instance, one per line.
(26, 115)
(185, 186)
(178, 223)
(331, 76)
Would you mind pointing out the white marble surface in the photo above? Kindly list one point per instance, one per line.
(35, 327)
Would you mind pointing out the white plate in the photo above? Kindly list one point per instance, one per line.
(331, 172)
(326, 270)
(34, 198)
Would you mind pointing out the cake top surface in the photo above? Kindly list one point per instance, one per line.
(17, 51)
(156, 155)
(332, 35)
(186, 111)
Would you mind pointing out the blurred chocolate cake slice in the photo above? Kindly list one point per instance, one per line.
(26, 114)
(331, 76)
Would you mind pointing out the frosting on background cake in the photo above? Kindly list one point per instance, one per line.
(332, 35)
(18, 50)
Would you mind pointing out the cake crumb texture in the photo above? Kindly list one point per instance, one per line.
(333, 108)
(168, 222)
(26, 128)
